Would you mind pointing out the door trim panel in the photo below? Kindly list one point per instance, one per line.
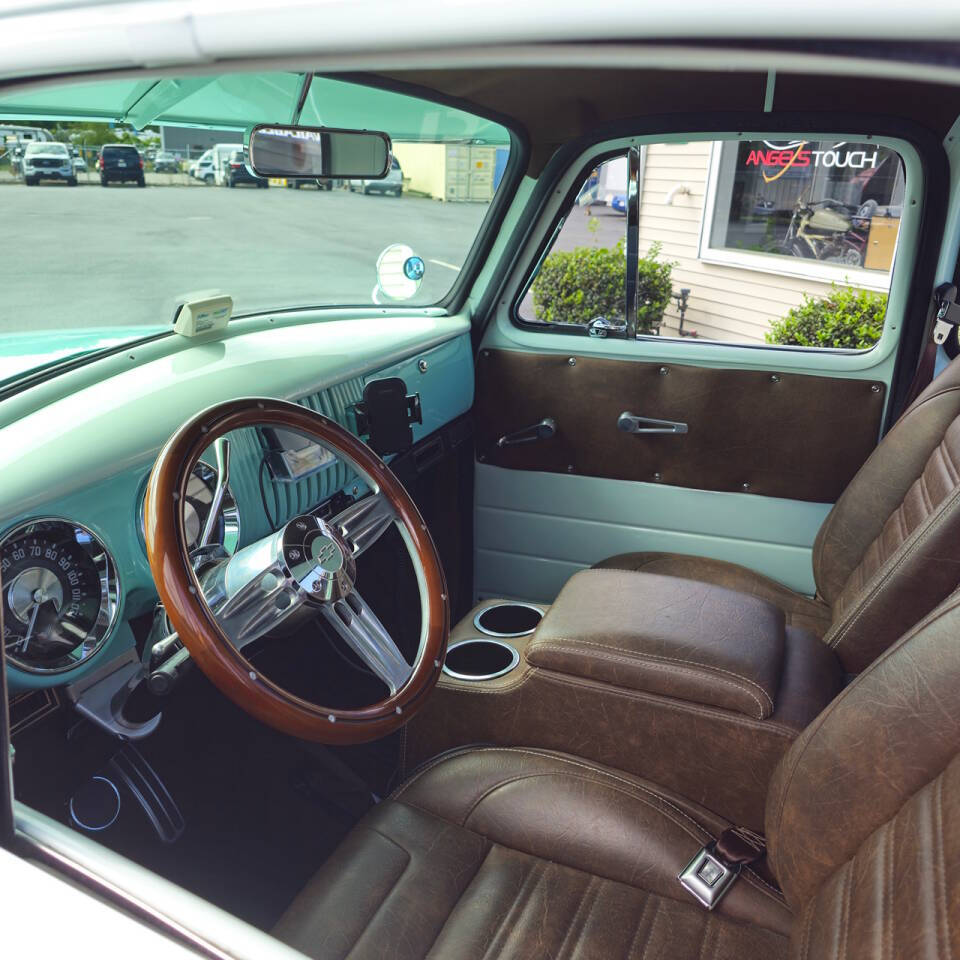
(763, 432)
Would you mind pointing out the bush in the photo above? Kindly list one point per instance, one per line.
(574, 286)
(848, 318)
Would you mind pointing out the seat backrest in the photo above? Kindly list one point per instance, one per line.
(863, 813)
(889, 551)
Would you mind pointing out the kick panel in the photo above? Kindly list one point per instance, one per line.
(774, 434)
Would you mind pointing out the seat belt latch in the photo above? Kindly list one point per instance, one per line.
(712, 871)
(948, 312)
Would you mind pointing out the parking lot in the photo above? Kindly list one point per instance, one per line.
(122, 255)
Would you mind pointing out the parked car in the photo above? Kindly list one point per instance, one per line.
(238, 172)
(164, 162)
(325, 184)
(79, 163)
(120, 163)
(221, 154)
(391, 184)
(47, 161)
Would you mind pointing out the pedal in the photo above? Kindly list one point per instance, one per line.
(129, 766)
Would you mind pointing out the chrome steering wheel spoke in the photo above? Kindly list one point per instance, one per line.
(368, 638)
(364, 522)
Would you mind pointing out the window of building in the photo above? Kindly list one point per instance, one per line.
(777, 242)
(831, 207)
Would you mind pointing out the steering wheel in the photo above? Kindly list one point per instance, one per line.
(306, 568)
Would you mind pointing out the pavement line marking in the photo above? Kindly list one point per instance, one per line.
(441, 263)
(199, 218)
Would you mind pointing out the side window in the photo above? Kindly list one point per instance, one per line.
(787, 242)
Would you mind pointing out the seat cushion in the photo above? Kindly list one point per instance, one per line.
(495, 852)
(807, 613)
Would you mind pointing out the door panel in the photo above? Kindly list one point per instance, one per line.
(764, 433)
(535, 530)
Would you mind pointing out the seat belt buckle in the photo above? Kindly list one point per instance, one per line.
(708, 877)
(948, 312)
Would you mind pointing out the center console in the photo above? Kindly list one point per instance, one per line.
(699, 688)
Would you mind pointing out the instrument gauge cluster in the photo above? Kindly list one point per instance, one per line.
(60, 595)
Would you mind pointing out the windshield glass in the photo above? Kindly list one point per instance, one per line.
(51, 148)
(126, 256)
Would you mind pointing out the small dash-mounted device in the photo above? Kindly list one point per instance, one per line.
(205, 311)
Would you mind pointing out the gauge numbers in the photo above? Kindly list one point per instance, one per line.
(59, 595)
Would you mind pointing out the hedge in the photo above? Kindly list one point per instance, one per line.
(846, 318)
(574, 286)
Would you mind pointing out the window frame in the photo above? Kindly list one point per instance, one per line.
(530, 334)
(875, 280)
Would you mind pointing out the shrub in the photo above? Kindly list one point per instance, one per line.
(846, 317)
(574, 286)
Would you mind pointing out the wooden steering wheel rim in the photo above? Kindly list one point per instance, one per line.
(209, 646)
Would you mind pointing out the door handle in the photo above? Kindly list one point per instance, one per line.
(631, 423)
(543, 430)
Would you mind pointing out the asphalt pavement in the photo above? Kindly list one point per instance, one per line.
(122, 255)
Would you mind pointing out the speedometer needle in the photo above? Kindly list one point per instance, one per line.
(33, 620)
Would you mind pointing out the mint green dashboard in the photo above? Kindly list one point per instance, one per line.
(85, 455)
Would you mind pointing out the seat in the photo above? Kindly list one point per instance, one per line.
(510, 853)
(889, 550)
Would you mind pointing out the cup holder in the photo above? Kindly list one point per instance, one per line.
(508, 619)
(479, 659)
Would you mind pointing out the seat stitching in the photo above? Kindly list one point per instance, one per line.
(808, 924)
(538, 871)
(460, 896)
(574, 776)
(925, 497)
(932, 523)
(845, 911)
(801, 604)
(941, 870)
(948, 460)
(743, 720)
(647, 900)
(706, 937)
(888, 889)
(653, 925)
(585, 898)
(753, 877)
(557, 645)
(389, 893)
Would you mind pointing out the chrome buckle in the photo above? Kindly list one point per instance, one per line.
(708, 877)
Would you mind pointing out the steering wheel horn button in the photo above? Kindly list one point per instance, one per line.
(318, 558)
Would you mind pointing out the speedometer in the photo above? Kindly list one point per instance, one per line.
(60, 595)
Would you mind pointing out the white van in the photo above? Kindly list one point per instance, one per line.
(220, 154)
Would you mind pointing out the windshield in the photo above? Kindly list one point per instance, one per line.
(133, 239)
(52, 148)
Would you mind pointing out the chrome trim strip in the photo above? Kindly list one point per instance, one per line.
(514, 659)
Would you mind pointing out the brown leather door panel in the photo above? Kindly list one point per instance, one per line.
(768, 433)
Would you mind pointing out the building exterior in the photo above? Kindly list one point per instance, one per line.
(190, 142)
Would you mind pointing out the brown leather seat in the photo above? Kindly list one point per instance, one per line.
(531, 854)
(889, 550)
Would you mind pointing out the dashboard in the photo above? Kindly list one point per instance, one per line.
(73, 561)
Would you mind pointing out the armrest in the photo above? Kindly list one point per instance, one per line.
(664, 635)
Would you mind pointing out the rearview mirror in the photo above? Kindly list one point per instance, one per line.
(311, 152)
